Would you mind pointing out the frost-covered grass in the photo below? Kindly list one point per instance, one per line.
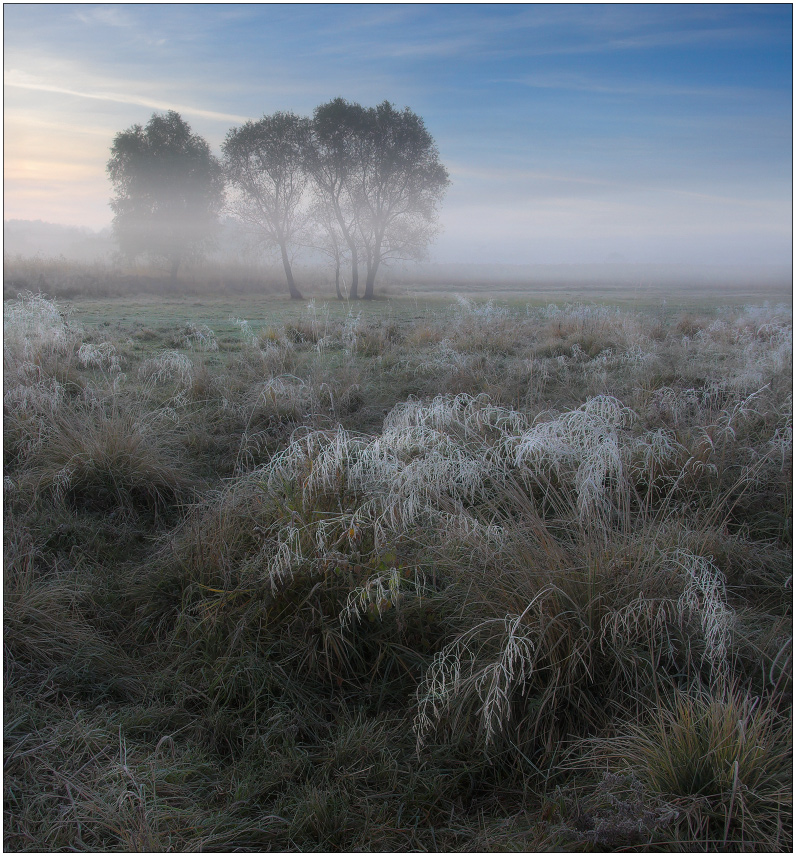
(489, 578)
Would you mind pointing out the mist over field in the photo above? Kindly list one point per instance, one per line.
(25, 242)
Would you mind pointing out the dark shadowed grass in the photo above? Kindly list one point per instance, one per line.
(103, 456)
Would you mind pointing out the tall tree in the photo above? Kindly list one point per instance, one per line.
(398, 182)
(169, 190)
(265, 162)
(333, 154)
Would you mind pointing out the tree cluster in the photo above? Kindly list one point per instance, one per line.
(361, 185)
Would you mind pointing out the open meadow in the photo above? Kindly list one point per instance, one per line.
(426, 573)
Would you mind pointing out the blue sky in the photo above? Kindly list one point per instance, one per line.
(573, 133)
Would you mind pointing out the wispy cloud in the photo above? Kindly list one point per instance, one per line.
(14, 81)
(112, 16)
(120, 18)
(435, 48)
(682, 38)
(536, 31)
(645, 89)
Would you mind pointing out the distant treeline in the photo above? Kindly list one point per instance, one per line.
(359, 185)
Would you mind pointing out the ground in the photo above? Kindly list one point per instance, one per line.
(426, 573)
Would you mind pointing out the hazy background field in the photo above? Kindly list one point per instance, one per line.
(80, 263)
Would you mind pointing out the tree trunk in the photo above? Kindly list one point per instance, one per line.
(175, 266)
(374, 258)
(370, 280)
(295, 294)
(337, 280)
(352, 247)
(353, 291)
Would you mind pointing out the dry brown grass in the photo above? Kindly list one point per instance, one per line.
(483, 578)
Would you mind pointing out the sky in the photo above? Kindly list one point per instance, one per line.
(572, 133)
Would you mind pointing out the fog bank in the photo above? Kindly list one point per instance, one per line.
(620, 279)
